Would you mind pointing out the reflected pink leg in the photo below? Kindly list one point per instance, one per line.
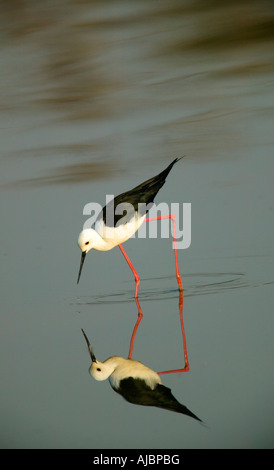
(136, 275)
(186, 368)
(173, 218)
(140, 316)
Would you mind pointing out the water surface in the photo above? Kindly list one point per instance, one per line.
(96, 98)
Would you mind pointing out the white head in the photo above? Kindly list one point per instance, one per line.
(85, 240)
(98, 370)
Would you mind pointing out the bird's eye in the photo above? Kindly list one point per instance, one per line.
(98, 368)
(86, 243)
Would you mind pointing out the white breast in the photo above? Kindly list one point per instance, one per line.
(116, 235)
(130, 368)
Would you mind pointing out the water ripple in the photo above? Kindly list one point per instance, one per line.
(194, 284)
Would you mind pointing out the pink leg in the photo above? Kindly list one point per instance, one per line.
(186, 368)
(135, 274)
(173, 218)
(140, 316)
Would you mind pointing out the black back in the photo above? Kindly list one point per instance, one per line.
(136, 391)
(143, 193)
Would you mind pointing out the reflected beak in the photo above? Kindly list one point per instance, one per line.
(81, 265)
(93, 358)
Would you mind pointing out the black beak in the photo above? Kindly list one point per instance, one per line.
(93, 358)
(81, 265)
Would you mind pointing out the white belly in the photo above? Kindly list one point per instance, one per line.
(114, 236)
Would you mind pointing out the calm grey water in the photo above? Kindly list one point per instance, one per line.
(96, 97)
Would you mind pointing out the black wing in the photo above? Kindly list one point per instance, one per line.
(138, 392)
(143, 193)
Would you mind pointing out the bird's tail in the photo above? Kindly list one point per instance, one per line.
(153, 185)
(161, 177)
(179, 408)
(167, 401)
(165, 172)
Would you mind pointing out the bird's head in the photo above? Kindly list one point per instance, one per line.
(98, 370)
(85, 240)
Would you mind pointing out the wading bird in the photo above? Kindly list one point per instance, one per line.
(135, 382)
(113, 227)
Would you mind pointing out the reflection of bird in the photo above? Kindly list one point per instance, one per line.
(135, 382)
(121, 218)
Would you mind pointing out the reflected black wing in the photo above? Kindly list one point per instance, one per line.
(138, 392)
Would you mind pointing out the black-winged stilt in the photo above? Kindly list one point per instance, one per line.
(135, 382)
(113, 227)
